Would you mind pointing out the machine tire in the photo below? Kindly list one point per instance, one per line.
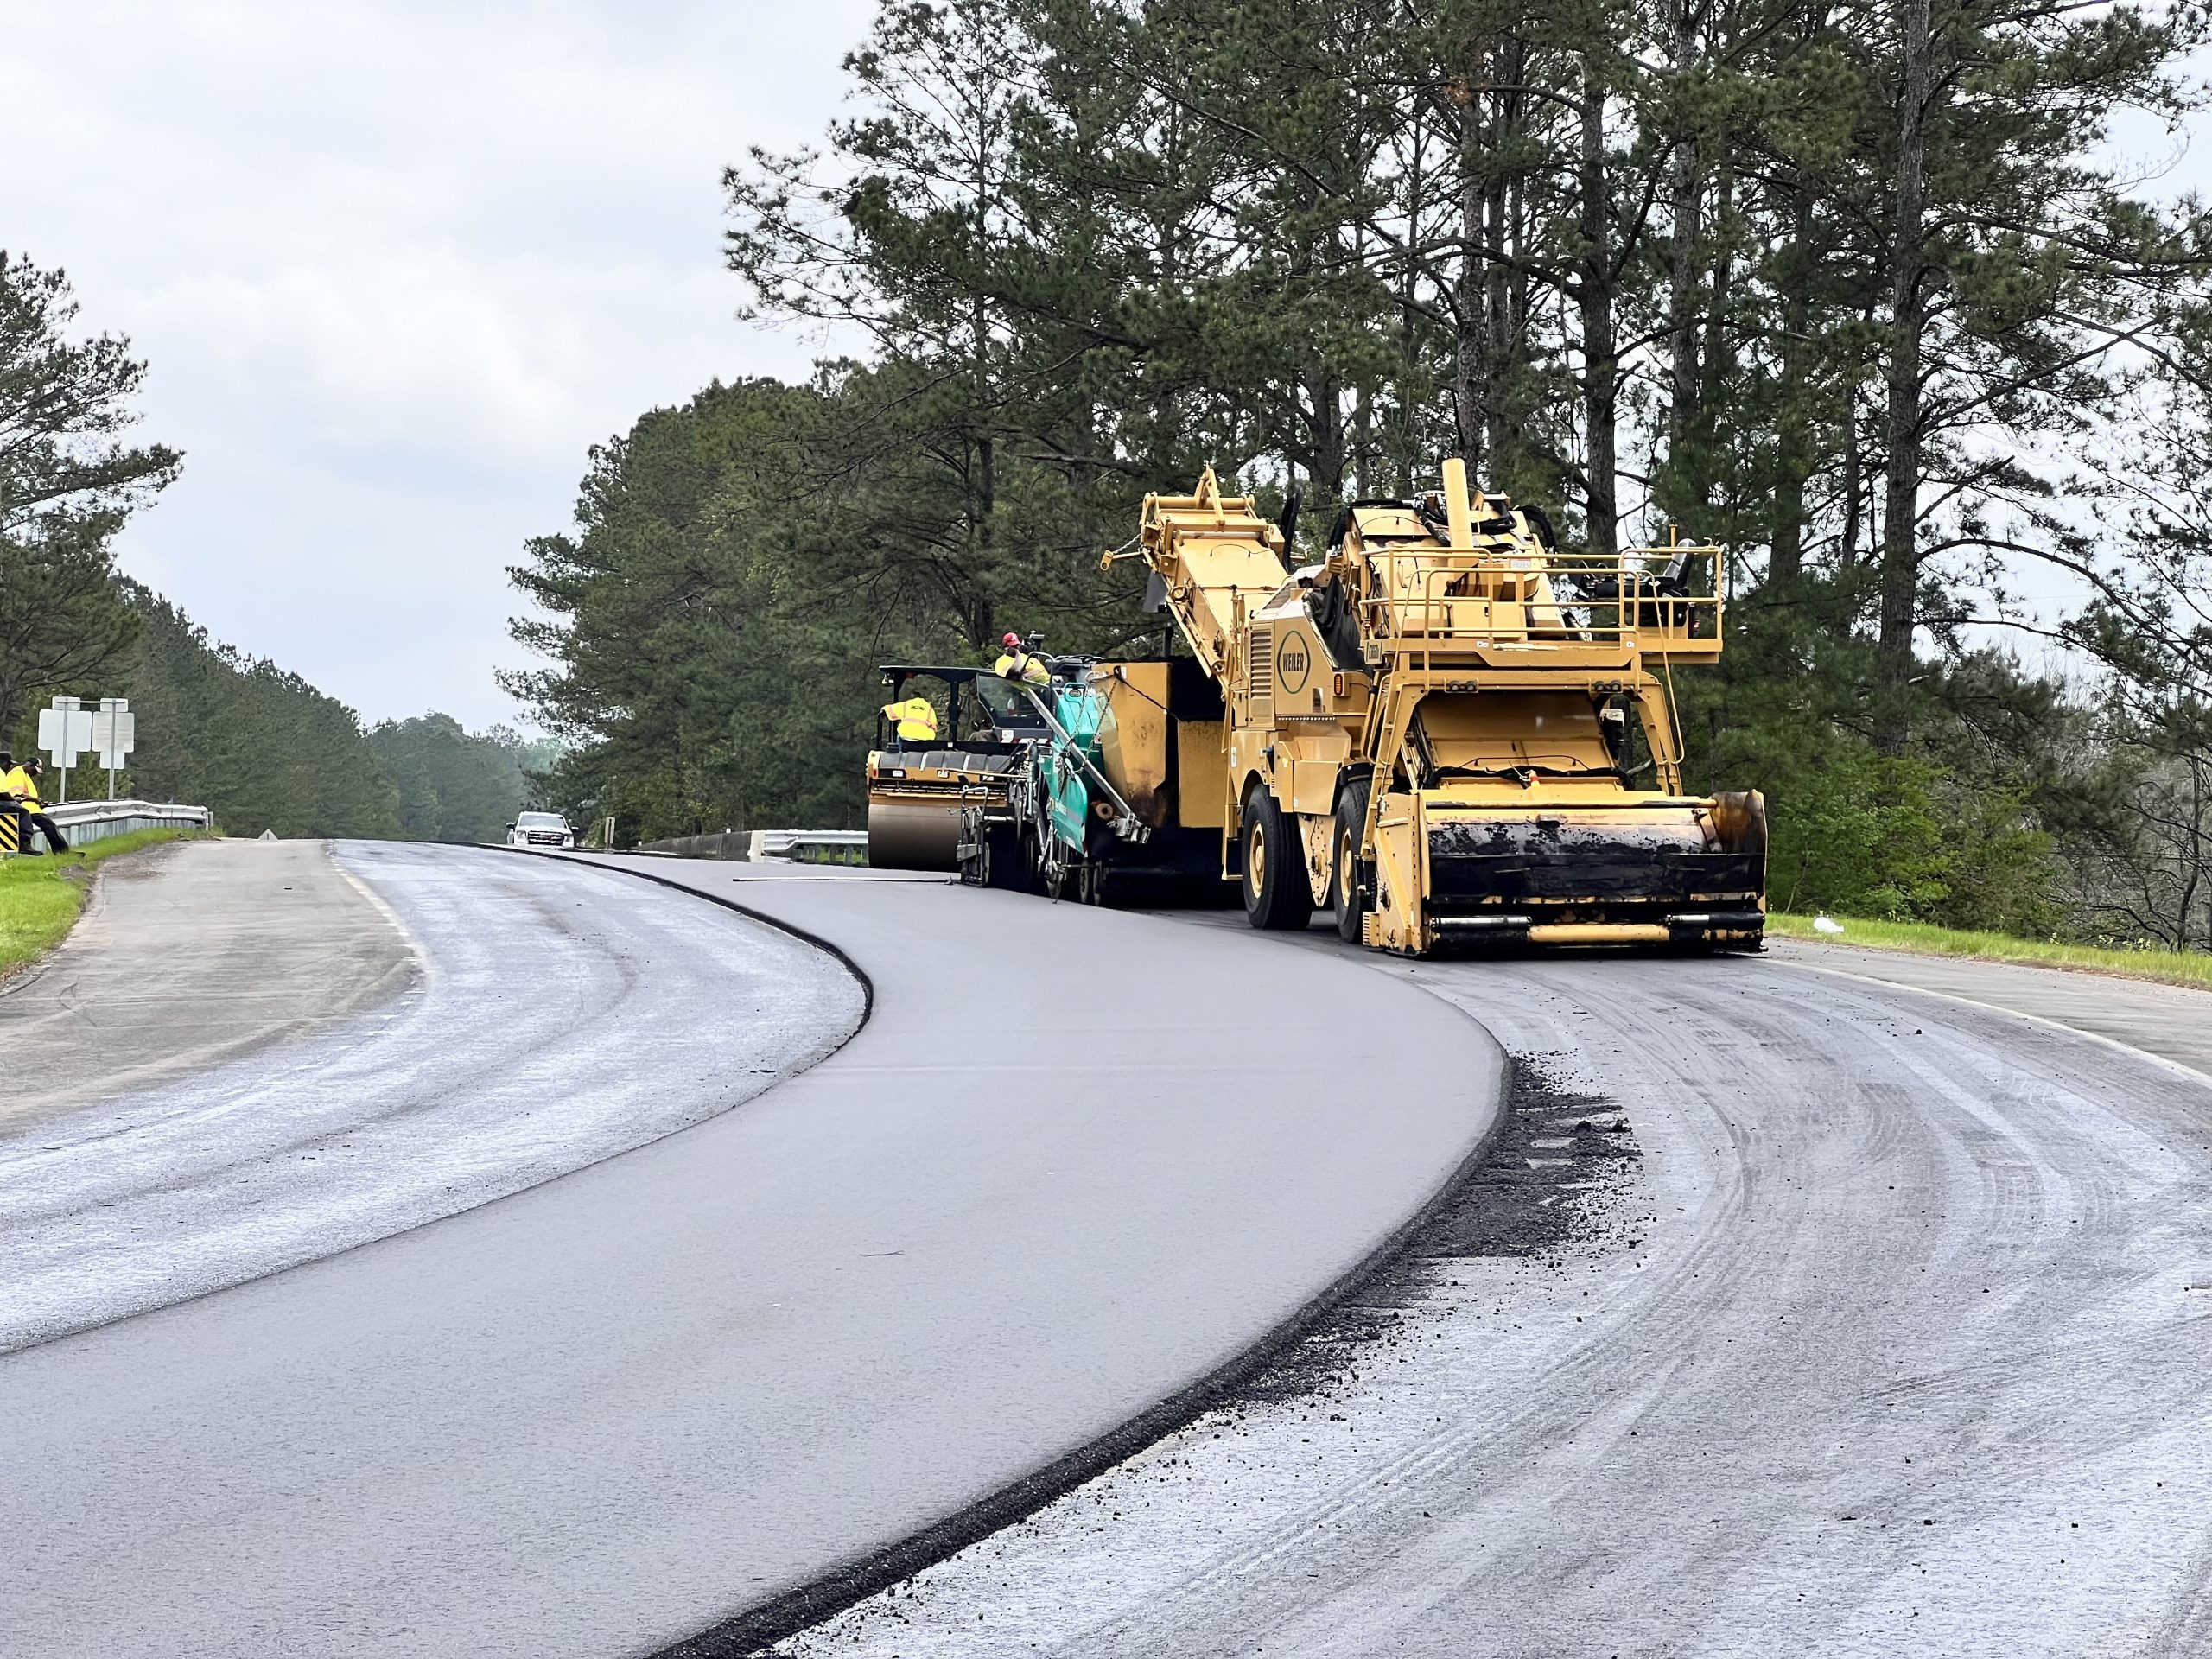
(1347, 883)
(999, 859)
(1276, 894)
(1022, 876)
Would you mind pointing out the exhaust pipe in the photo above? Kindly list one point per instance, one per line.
(1458, 514)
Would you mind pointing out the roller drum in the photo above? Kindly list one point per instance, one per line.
(901, 837)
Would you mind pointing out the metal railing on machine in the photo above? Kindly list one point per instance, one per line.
(1670, 601)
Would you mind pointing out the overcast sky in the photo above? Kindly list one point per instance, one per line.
(395, 266)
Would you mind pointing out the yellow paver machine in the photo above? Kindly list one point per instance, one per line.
(1451, 730)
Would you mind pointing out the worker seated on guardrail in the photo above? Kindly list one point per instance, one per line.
(21, 784)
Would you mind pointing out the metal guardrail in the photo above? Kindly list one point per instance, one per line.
(728, 844)
(755, 846)
(83, 821)
(810, 846)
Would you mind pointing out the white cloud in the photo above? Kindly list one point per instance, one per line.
(395, 267)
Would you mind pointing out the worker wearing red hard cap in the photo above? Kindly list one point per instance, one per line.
(1017, 664)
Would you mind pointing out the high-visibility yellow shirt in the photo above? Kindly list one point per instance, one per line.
(18, 783)
(917, 718)
(1021, 665)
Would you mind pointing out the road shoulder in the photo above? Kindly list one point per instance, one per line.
(2168, 1021)
(189, 953)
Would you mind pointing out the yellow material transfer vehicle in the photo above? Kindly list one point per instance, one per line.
(1450, 730)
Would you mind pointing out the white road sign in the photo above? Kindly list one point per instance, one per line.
(115, 733)
(65, 732)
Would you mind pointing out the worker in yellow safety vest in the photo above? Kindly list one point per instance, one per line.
(914, 719)
(21, 784)
(1017, 664)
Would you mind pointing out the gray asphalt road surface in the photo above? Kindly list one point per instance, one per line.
(1896, 1340)
(1074, 1161)
(563, 1017)
(2170, 1021)
(187, 953)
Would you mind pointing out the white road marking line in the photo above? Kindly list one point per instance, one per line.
(2179, 1068)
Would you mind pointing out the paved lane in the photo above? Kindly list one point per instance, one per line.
(2170, 1021)
(1074, 1162)
(1901, 1344)
(560, 1017)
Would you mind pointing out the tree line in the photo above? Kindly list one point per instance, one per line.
(218, 727)
(1866, 291)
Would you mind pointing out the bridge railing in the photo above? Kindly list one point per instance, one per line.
(796, 846)
(84, 821)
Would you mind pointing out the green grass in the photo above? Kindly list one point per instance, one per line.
(40, 896)
(2170, 967)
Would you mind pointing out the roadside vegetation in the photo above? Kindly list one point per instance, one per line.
(40, 897)
(2189, 968)
(1882, 297)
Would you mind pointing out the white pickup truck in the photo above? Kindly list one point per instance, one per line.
(540, 829)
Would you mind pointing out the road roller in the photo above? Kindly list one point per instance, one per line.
(916, 792)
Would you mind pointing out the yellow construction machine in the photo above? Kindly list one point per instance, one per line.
(918, 791)
(1451, 730)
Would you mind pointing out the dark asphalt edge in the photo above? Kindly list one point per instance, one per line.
(805, 936)
(756, 1630)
